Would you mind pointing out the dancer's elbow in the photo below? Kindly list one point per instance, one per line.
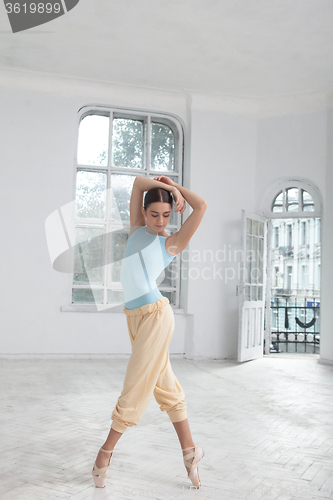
(203, 204)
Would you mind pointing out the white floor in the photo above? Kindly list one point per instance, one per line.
(266, 427)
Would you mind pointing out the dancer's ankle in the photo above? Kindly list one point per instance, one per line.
(190, 446)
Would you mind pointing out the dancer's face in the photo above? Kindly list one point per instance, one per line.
(158, 215)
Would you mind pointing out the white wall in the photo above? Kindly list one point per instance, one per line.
(291, 145)
(230, 159)
(299, 146)
(326, 341)
(38, 140)
(223, 158)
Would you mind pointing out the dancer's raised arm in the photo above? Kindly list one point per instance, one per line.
(178, 241)
(142, 184)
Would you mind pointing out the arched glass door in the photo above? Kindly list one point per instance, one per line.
(293, 308)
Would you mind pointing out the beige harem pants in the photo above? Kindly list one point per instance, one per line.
(149, 370)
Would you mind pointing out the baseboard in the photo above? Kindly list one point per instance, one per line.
(76, 356)
(325, 361)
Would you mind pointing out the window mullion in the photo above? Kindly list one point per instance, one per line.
(148, 144)
(178, 282)
(284, 201)
(107, 274)
(108, 211)
(179, 165)
(110, 140)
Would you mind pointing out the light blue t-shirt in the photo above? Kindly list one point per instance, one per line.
(143, 261)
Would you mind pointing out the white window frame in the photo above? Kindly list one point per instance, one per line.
(270, 194)
(147, 117)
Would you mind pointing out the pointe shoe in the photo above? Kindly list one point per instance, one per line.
(191, 461)
(100, 475)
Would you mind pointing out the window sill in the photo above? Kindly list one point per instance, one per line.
(92, 308)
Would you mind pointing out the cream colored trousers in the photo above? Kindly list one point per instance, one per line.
(149, 370)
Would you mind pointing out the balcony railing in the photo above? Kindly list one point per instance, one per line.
(287, 251)
(295, 324)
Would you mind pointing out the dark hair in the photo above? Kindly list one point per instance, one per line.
(157, 194)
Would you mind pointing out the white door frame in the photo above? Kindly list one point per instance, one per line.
(251, 312)
(268, 313)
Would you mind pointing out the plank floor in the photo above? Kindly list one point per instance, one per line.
(266, 427)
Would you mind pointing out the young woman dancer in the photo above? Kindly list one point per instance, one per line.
(150, 317)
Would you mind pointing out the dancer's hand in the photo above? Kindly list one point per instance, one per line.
(166, 180)
(180, 204)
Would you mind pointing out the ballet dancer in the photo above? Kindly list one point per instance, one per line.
(150, 317)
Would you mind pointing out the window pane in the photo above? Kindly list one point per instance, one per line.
(162, 147)
(277, 204)
(127, 143)
(292, 199)
(260, 259)
(93, 140)
(247, 293)
(117, 244)
(279, 199)
(249, 226)
(253, 292)
(254, 227)
(307, 200)
(170, 275)
(90, 195)
(248, 259)
(115, 297)
(121, 190)
(255, 262)
(292, 195)
(88, 255)
(293, 207)
(174, 217)
(260, 290)
(86, 296)
(170, 295)
(261, 228)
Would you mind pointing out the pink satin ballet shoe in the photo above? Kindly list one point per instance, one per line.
(191, 461)
(100, 475)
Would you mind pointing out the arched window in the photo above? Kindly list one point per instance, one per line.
(115, 145)
(293, 199)
(290, 198)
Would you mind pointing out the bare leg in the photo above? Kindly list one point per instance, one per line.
(102, 459)
(184, 435)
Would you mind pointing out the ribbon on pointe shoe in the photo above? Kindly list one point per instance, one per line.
(191, 461)
(102, 472)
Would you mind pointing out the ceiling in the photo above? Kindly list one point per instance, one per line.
(248, 48)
